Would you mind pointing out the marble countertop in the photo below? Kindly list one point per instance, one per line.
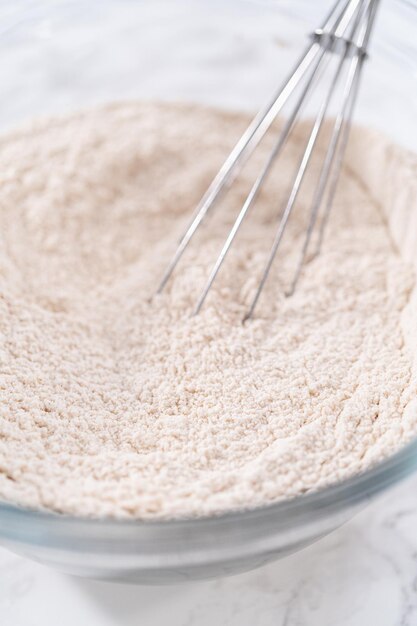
(363, 573)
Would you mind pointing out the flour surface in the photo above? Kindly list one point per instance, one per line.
(117, 402)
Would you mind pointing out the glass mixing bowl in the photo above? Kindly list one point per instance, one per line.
(68, 55)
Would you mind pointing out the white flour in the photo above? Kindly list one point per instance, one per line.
(114, 405)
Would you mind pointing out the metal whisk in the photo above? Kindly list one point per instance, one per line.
(345, 32)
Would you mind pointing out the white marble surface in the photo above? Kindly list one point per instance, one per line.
(364, 573)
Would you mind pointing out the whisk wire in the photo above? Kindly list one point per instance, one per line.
(253, 193)
(337, 166)
(262, 121)
(302, 168)
(341, 27)
(333, 156)
(256, 131)
(345, 31)
(363, 28)
(344, 132)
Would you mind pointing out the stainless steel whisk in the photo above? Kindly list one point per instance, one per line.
(345, 32)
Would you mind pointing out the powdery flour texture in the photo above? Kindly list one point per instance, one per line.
(117, 402)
